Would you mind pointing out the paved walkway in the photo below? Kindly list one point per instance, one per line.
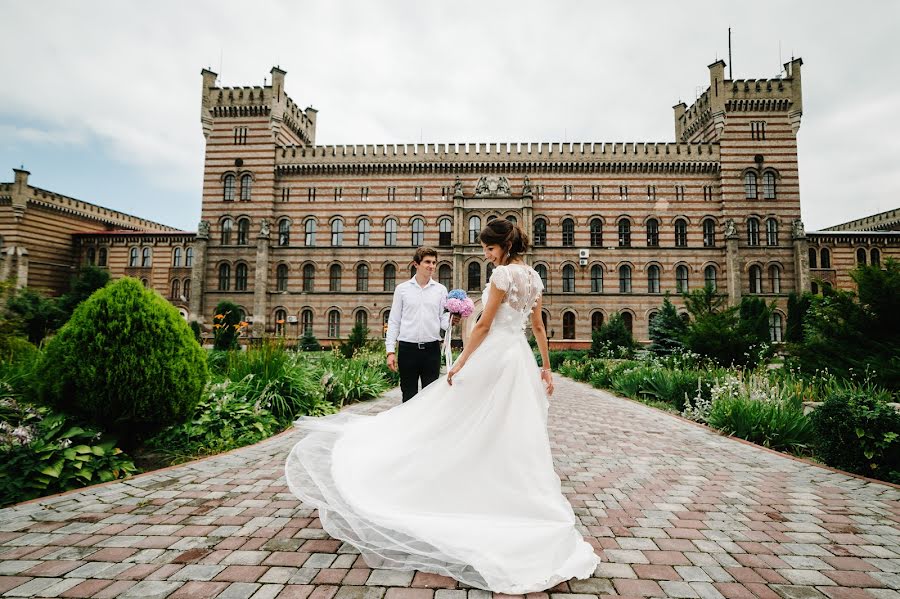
(675, 510)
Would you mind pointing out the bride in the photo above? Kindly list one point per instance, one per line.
(459, 480)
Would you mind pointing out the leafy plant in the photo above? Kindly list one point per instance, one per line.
(227, 326)
(667, 330)
(356, 341)
(613, 335)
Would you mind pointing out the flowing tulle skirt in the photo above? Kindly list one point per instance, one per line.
(458, 481)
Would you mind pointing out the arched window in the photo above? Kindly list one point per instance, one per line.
(390, 232)
(491, 217)
(445, 275)
(189, 257)
(596, 232)
(334, 324)
(568, 279)
(280, 320)
(681, 278)
(306, 322)
(812, 258)
(384, 322)
(145, 283)
(412, 270)
(540, 231)
(363, 230)
(771, 231)
(814, 288)
(337, 232)
(624, 279)
(186, 290)
(752, 231)
(596, 321)
(474, 228)
(284, 232)
(390, 277)
(624, 233)
(769, 186)
(876, 257)
(309, 232)
(750, 186)
(334, 278)
(133, 257)
(568, 325)
(362, 277)
(246, 184)
(418, 232)
(826, 259)
(243, 231)
(653, 279)
(681, 233)
(488, 271)
(542, 273)
(281, 277)
(775, 327)
(102, 256)
(568, 232)
(445, 232)
(309, 277)
(228, 188)
(511, 218)
(710, 277)
(628, 319)
(596, 279)
(175, 291)
(709, 233)
(240, 277)
(227, 225)
(176, 258)
(861, 257)
(146, 258)
(755, 279)
(545, 318)
(91, 255)
(362, 318)
(652, 232)
(774, 279)
(224, 277)
(474, 278)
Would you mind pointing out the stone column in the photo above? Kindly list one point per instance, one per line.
(461, 233)
(261, 280)
(732, 264)
(198, 273)
(801, 257)
(7, 257)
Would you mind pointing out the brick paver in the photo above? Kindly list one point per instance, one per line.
(673, 510)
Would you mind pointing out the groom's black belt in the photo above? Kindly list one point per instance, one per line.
(421, 345)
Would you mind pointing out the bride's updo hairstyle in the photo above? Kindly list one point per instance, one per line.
(507, 235)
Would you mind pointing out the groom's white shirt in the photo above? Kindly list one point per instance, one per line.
(417, 313)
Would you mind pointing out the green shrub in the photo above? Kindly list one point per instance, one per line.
(308, 342)
(557, 357)
(83, 284)
(34, 314)
(667, 330)
(126, 360)
(613, 336)
(355, 379)
(227, 326)
(780, 425)
(356, 341)
(197, 331)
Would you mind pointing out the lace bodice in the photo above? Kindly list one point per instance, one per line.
(523, 287)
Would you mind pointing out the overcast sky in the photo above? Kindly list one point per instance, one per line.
(101, 100)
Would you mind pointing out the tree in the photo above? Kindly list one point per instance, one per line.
(357, 340)
(797, 307)
(35, 315)
(667, 329)
(612, 336)
(227, 326)
(83, 283)
(308, 341)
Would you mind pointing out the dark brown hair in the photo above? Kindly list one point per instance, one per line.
(507, 235)
(422, 252)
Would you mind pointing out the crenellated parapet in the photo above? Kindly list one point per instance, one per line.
(500, 157)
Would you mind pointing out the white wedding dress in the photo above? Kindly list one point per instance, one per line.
(459, 480)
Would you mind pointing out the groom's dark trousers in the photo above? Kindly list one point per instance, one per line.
(418, 361)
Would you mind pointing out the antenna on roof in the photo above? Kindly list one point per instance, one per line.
(729, 53)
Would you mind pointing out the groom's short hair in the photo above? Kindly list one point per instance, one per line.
(422, 252)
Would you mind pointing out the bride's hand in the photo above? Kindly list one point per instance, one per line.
(547, 377)
(454, 371)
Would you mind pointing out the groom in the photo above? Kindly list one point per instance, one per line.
(414, 327)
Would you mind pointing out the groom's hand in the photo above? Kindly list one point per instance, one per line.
(392, 362)
(454, 319)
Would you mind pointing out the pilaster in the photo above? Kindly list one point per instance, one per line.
(198, 273)
(261, 280)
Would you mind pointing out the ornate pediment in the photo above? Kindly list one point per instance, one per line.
(496, 187)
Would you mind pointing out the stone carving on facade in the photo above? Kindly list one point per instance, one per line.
(203, 229)
(526, 186)
(492, 186)
(730, 229)
(799, 230)
(457, 187)
(264, 227)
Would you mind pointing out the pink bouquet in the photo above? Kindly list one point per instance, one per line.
(458, 303)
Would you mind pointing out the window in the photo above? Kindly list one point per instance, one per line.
(285, 194)
(596, 321)
(624, 279)
(624, 233)
(707, 193)
(542, 273)
(240, 135)
(363, 230)
(568, 325)
(709, 277)
(474, 272)
(474, 228)
(176, 258)
(757, 129)
(812, 257)
(310, 194)
(284, 232)
(418, 232)
(652, 232)
(246, 183)
(390, 232)
(391, 194)
(417, 194)
(309, 232)
(709, 233)
(596, 232)
(145, 283)
(364, 194)
(175, 292)
(774, 279)
(752, 231)
(445, 228)
(826, 259)
(769, 186)
(623, 192)
(334, 324)
(188, 257)
(861, 257)
(281, 277)
(680, 233)
(540, 231)
(334, 278)
(384, 322)
(651, 193)
(306, 322)
(628, 319)
(243, 231)
(596, 279)
(775, 327)
(653, 279)
(595, 192)
(445, 276)
(681, 279)
(186, 290)
(568, 232)
(102, 255)
(309, 277)
(91, 255)
(227, 225)
(679, 193)
(876, 257)
(568, 278)
(771, 231)
(240, 277)
(338, 194)
(755, 279)
(750, 186)
(814, 288)
(489, 270)
(224, 277)
(567, 193)
(362, 277)
(280, 320)
(146, 258)
(362, 318)
(133, 257)
(337, 232)
(390, 277)
(228, 189)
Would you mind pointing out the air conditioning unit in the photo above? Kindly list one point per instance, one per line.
(584, 254)
(582, 261)
(292, 319)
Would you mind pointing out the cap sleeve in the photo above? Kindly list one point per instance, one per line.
(538, 283)
(500, 278)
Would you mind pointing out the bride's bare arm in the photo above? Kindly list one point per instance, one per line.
(540, 335)
(481, 328)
